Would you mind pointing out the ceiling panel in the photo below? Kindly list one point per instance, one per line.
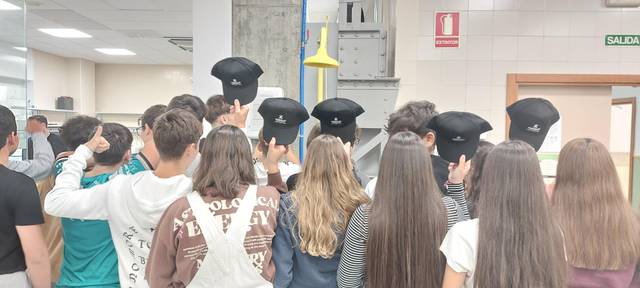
(59, 15)
(43, 4)
(15, 2)
(139, 15)
(79, 5)
(137, 25)
(133, 5)
(173, 5)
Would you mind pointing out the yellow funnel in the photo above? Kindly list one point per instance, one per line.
(322, 59)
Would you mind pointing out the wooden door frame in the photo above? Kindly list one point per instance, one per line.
(515, 80)
(632, 101)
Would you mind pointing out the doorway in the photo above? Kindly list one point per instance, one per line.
(600, 97)
(622, 141)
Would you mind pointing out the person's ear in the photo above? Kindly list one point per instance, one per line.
(147, 132)
(193, 149)
(223, 120)
(13, 140)
(429, 139)
(127, 157)
(9, 143)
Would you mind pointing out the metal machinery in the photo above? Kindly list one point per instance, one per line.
(364, 76)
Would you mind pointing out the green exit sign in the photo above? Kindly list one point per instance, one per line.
(622, 40)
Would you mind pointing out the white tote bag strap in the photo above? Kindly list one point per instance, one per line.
(241, 220)
(206, 222)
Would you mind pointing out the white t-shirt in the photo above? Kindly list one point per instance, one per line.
(371, 187)
(460, 246)
(286, 170)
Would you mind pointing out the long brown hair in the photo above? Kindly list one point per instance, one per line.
(600, 228)
(472, 181)
(407, 221)
(225, 164)
(326, 196)
(519, 245)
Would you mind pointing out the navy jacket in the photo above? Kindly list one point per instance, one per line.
(293, 267)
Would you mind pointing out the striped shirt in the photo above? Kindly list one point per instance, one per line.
(351, 272)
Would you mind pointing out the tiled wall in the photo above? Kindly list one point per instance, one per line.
(506, 36)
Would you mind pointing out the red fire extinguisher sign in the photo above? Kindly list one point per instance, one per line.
(447, 29)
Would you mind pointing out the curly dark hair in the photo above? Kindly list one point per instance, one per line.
(412, 117)
(78, 130)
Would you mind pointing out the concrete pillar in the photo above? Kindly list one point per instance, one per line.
(268, 32)
(211, 43)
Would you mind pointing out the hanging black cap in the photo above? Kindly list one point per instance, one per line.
(282, 116)
(457, 134)
(239, 78)
(531, 119)
(338, 117)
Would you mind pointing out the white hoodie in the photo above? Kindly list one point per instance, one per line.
(132, 204)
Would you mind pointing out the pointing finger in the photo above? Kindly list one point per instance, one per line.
(98, 132)
(236, 105)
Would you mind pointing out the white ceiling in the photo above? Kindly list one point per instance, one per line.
(137, 25)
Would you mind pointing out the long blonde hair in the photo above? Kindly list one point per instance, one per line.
(601, 230)
(327, 194)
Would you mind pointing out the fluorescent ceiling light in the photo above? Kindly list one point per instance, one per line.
(115, 51)
(8, 6)
(65, 32)
(23, 49)
(14, 59)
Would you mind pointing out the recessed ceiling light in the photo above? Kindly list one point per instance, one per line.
(13, 59)
(65, 32)
(24, 49)
(115, 51)
(8, 6)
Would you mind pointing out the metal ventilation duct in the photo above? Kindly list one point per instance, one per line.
(185, 43)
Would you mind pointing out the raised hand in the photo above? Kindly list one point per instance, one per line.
(239, 114)
(457, 171)
(274, 155)
(97, 143)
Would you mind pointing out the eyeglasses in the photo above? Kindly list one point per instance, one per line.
(138, 130)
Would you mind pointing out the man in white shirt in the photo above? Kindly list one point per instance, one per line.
(40, 166)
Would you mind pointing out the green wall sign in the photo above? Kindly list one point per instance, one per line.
(622, 40)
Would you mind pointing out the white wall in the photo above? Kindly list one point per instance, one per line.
(621, 117)
(211, 43)
(319, 10)
(506, 36)
(50, 79)
(112, 88)
(133, 88)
